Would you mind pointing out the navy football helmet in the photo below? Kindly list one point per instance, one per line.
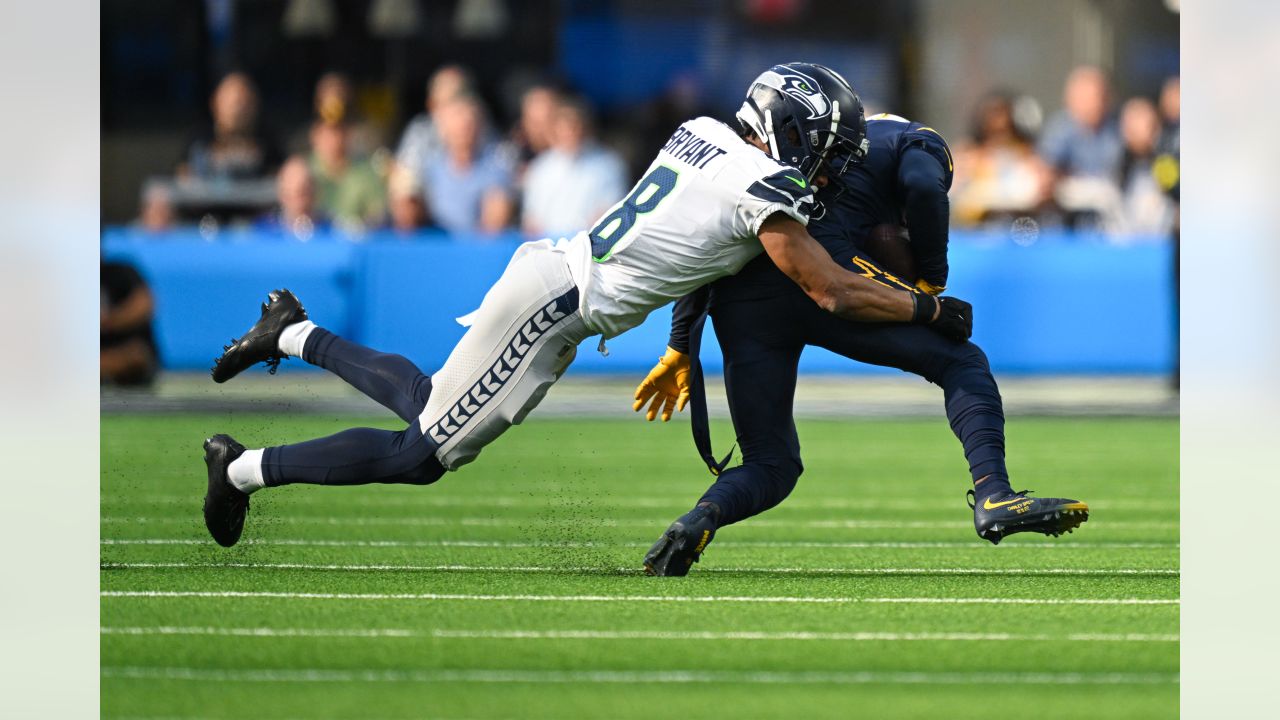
(808, 116)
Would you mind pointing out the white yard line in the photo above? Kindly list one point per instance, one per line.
(674, 502)
(261, 632)
(973, 545)
(632, 598)
(759, 636)
(600, 522)
(631, 635)
(542, 677)
(1152, 572)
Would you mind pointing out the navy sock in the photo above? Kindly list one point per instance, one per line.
(976, 413)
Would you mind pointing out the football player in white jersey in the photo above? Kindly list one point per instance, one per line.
(713, 199)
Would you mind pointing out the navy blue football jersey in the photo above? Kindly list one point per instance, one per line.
(874, 192)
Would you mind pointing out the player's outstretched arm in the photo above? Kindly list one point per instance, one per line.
(853, 296)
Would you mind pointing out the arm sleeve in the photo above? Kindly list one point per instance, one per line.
(924, 176)
(687, 310)
(784, 191)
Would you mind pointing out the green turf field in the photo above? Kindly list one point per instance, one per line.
(511, 589)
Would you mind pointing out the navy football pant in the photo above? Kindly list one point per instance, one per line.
(762, 341)
(362, 455)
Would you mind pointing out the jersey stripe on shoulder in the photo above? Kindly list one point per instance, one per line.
(787, 187)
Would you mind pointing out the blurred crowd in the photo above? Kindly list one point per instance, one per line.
(1088, 166)
(1092, 165)
(453, 167)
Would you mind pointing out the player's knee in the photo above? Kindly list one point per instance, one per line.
(973, 356)
(783, 474)
(424, 472)
(960, 358)
(415, 459)
(420, 466)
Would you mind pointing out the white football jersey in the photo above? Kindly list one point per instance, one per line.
(692, 218)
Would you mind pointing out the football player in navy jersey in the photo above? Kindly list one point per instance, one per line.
(763, 323)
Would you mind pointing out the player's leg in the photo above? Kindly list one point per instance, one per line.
(284, 330)
(761, 351)
(391, 380)
(523, 337)
(974, 409)
(359, 456)
(972, 398)
(760, 365)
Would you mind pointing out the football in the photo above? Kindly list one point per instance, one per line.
(890, 247)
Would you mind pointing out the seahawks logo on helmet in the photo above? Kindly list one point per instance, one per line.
(799, 87)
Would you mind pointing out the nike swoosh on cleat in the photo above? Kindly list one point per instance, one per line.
(988, 505)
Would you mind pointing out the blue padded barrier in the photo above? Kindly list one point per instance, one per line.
(1065, 304)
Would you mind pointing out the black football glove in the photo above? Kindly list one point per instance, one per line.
(955, 316)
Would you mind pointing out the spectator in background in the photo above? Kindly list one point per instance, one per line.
(421, 138)
(157, 214)
(997, 172)
(127, 346)
(1081, 140)
(652, 123)
(532, 133)
(1171, 102)
(468, 182)
(407, 207)
(1082, 145)
(333, 97)
(234, 146)
(348, 190)
(1170, 150)
(1144, 207)
(569, 186)
(335, 102)
(296, 214)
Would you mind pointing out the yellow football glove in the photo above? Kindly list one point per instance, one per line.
(667, 384)
(926, 286)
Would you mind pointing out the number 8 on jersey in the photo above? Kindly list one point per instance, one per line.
(644, 197)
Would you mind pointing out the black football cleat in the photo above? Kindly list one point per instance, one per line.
(224, 505)
(261, 343)
(683, 543)
(995, 518)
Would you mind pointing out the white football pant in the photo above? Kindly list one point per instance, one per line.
(520, 341)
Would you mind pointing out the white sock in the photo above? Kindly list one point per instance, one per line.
(294, 337)
(245, 472)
